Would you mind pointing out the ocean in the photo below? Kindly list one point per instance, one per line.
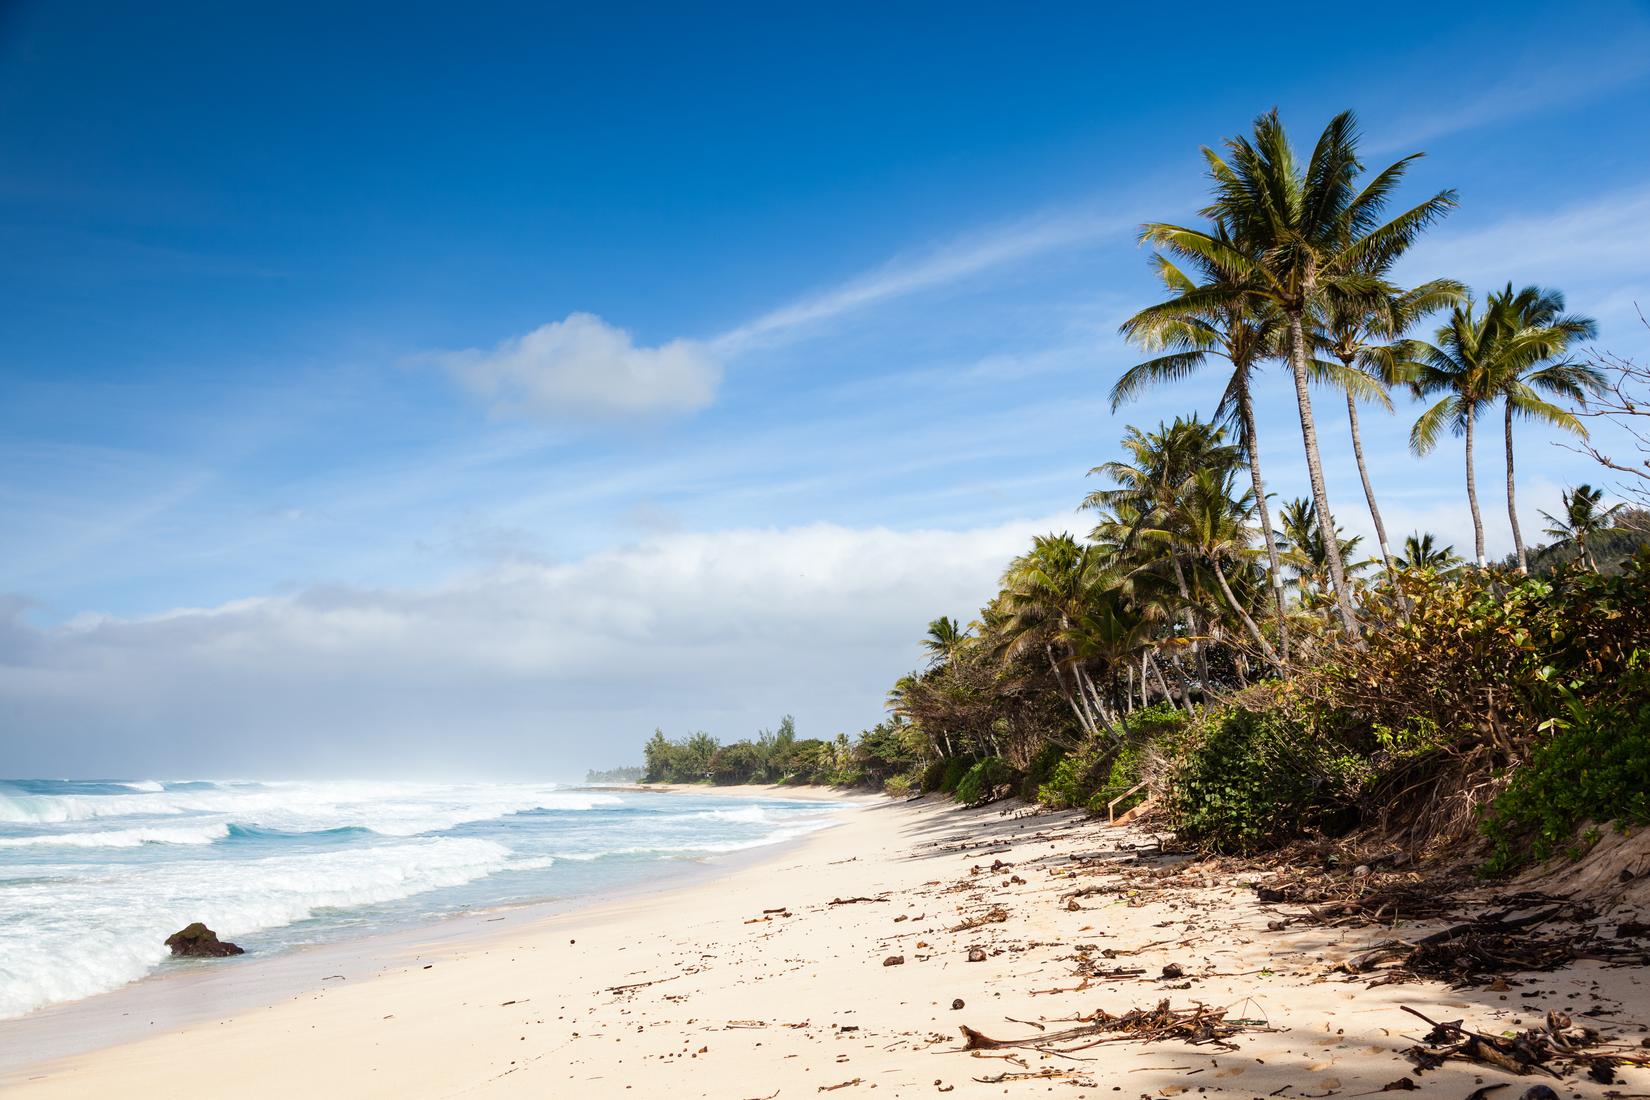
(95, 875)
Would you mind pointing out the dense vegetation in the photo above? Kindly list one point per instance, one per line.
(1261, 674)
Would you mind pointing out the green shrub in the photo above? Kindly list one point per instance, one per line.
(898, 785)
(982, 779)
(1042, 766)
(955, 768)
(1593, 766)
(1243, 782)
(1120, 777)
(1161, 720)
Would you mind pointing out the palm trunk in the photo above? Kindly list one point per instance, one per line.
(1314, 469)
(1191, 628)
(1243, 616)
(1512, 503)
(1274, 562)
(1374, 510)
(1472, 498)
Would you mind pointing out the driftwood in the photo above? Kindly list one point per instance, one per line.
(1534, 1050)
(995, 915)
(1198, 1025)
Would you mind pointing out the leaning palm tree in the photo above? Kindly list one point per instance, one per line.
(1460, 365)
(1295, 232)
(1215, 319)
(1534, 335)
(1581, 518)
(1361, 333)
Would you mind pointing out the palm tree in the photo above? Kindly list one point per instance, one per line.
(1460, 365)
(1213, 520)
(1422, 552)
(1361, 332)
(1215, 319)
(1307, 549)
(944, 641)
(1148, 490)
(1296, 232)
(1048, 590)
(1581, 518)
(1535, 335)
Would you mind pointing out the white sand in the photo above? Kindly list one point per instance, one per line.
(697, 992)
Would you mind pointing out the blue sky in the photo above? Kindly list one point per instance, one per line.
(347, 353)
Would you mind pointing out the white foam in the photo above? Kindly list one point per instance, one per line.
(71, 933)
(120, 838)
(390, 809)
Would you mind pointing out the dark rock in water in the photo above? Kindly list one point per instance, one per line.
(200, 942)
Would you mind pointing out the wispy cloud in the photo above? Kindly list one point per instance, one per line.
(964, 258)
(1540, 82)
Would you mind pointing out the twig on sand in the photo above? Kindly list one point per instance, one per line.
(640, 985)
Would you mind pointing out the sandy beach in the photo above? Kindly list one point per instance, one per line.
(777, 979)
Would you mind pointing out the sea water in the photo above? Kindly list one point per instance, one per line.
(95, 875)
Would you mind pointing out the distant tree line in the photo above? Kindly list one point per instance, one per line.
(629, 774)
(887, 750)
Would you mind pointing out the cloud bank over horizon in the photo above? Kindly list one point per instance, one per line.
(535, 670)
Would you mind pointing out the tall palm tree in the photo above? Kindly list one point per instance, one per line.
(1460, 365)
(1194, 326)
(1361, 332)
(1581, 518)
(1535, 335)
(1296, 231)
(1421, 551)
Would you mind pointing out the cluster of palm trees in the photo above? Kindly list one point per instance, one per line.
(1186, 582)
(1295, 266)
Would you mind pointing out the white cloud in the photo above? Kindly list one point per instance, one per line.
(527, 668)
(585, 366)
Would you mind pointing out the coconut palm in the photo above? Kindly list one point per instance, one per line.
(1421, 551)
(1047, 591)
(1193, 327)
(1361, 334)
(945, 640)
(1292, 232)
(1213, 520)
(1581, 518)
(1460, 365)
(1307, 550)
(1535, 335)
(1148, 488)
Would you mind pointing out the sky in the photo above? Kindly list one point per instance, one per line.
(403, 389)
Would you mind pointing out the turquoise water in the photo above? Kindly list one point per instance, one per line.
(95, 875)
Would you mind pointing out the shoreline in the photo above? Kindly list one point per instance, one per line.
(772, 980)
(178, 996)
